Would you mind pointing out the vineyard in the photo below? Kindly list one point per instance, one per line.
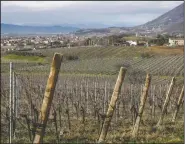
(83, 94)
(161, 66)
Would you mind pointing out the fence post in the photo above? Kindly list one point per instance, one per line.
(87, 97)
(16, 96)
(48, 96)
(112, 105)
(10, 104)
(178, 104)
(105, 99)
(153, 104)
(14, 103)
(168, 94)
(142, 105)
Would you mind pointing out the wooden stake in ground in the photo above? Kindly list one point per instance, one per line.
(10, 105)
(141, 107)
(112, 105)
(48, 96)
(168, 94)
(178, 104)
(14, 104)
(153, 104)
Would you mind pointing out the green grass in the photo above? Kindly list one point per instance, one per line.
(21, 58)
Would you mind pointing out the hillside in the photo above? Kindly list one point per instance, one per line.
(10, 28)
(178, 28)
(171, 20)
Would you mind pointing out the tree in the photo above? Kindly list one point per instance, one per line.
(160, 40)
(56, 43)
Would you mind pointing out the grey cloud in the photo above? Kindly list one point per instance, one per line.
(111, 13)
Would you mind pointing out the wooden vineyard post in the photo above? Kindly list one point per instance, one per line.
(81, 93)
(153, 104)
(131, 103)
(87, 96)
(14, 103)
(168, 94)
(178, 104)
(95, 92)
(68, 115)
(95, 99)
(10, 105)
(142, 105)
(105, 99)
(48, 96)
(112, 105)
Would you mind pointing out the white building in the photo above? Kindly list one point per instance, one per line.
(132, 43)
(45, 42)
(8, 44)
(174, 42)
(32, 41)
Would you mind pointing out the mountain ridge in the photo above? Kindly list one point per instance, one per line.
(169, 22)
(166, 20)
(12, 28)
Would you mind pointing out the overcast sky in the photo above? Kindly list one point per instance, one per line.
(112, 13)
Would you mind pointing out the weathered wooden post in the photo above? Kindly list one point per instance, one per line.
(153, 103)
(142, 105)
(105, 99)
(131, 102)
(87, 96)
(178, 104)
(68, 114)
(10, 104)
(16, 96)
(112, 105)
(48, 96)
(14, 103)
(168, 94)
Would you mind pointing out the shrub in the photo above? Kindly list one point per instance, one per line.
(145, 55)
(71, 57)
(23, 53)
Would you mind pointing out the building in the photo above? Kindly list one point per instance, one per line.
(8, 44)
(132, 43)
(176, 42)
(45, 42)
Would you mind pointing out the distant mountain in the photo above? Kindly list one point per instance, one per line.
(171, 21)
(88, 25)
(10, 28)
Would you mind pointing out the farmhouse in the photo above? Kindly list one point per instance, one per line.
(176, 42)
(132, 43)
(45, 42)
(8, 44)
